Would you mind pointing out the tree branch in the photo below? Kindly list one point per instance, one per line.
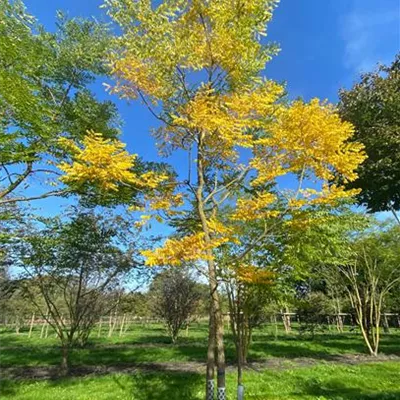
(42, 196)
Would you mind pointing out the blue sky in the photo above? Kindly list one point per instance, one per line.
(325, 45)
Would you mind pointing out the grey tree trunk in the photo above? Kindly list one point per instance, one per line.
(64, 367)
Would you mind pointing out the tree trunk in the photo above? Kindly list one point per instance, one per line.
(339, 322)
(215, 341)
(210, 372)
(240, 331)
(64, 367)
(127, 323)
(364, 329)
(219, 328)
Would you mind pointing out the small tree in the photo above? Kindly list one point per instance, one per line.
(359, 257)
(247, 302)
(75, 267)
(370, 276)
(175, 298)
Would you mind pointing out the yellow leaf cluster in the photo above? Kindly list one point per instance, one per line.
(255, 208)
(176, 252)
(328, 195)
(254, 275)
(225, 120)
(165, 201)
(104, 163)
(208, 113)
(333, 194)
(308, 137)
(137, 76)
(160, 42)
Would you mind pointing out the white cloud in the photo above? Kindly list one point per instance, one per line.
(371, 32)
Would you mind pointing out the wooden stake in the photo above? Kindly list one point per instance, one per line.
(17, 326)
(121, 328)
(100, 323)
(127, 323)
(42, 330)
(47, 330)
(31, 325)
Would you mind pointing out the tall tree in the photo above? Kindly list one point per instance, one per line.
(373, 107)
(197, 67)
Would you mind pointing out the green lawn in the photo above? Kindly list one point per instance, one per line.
(151, 344)
(292, 380)
(367, 381)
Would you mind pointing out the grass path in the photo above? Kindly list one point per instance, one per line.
(51, 372)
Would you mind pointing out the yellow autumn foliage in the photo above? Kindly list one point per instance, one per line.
(176, 252)
(104, 163)
(252, 274)
(253, 208)
(308, 136)
(201, 63)
(192, 35)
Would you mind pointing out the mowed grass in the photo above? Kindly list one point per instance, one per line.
(375, 381)
(150, 343)
(326, 380)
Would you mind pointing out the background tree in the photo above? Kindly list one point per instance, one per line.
(197, 66)
(75, 266)
(373, 107)
(371, 274)
(313, 310)
(175, 297)
(44, 95)
(135, 303)
(246, 305)
(317, 250)
(12, 226)
(15, 305)
(356, 255)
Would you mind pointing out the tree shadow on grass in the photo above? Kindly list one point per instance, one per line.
(389, 344)
(336, 390)
(157, 385)
(100, 355)
(322, 347)
(162, 386)
(26, 355)
(7, 388)
(262, 351)
(126, 355)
